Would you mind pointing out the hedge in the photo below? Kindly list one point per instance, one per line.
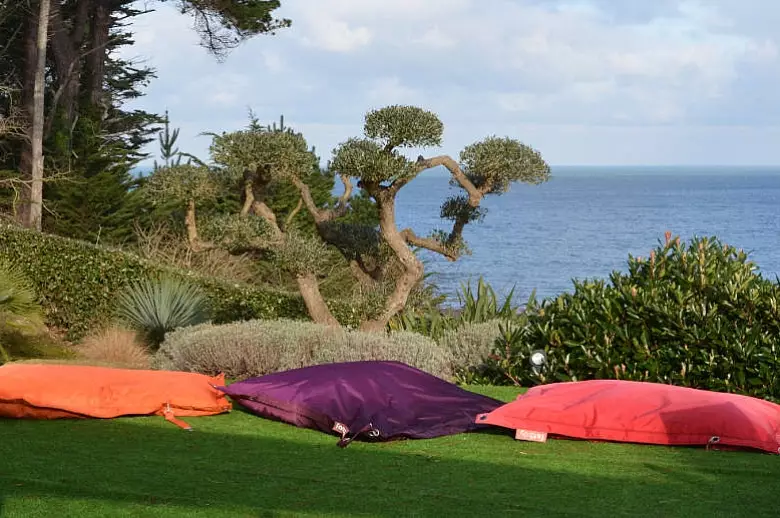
(256, 348)
(697, 315)
(77, 282)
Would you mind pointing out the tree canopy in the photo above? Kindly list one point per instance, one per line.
(380, 256)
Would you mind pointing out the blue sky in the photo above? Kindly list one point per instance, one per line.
(597, 82)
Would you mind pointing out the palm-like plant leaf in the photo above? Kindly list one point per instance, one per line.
(157, 306)
(19, 307)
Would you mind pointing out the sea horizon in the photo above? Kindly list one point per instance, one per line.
(586, 220)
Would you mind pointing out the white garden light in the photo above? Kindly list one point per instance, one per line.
(538, 359)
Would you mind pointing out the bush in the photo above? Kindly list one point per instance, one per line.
(254, 348)
(697, 315)
(40, 345)
(474, 307)
(157, 306)
(471, 345)
(77, 283)
(116, 347)
(20, 313)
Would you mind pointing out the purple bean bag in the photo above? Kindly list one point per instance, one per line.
(370, 400)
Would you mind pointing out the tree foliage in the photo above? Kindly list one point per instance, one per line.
(225, 24)
(494, 163)
(90, 134)
(404, 126)
(258, 158)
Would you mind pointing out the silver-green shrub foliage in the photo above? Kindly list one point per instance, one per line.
(258, 347)
(471, 344)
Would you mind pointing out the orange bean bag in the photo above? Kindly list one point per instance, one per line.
(30, 391)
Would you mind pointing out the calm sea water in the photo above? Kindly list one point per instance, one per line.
(585, 221)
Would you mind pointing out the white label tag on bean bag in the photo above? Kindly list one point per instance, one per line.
(529, 435)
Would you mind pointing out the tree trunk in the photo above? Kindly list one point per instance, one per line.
(66, 51)
(35, 209)
(413, 267)
(315, 303)
(192, 226)
(27, 110)
(96, 60)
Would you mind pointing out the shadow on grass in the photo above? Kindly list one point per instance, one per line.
(102, 468)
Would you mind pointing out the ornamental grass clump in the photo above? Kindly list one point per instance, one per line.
(155, 306)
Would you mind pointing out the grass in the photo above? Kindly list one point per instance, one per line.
(238, 465)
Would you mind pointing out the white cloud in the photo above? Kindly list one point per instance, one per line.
(389, 90)
(337, 36)
(486, 67)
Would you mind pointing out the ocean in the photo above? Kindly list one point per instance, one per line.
(585, 221)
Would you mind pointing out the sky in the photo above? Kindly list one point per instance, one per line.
(585, 82)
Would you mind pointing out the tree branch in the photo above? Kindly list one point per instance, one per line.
(249, 197)
(262, 210)
(190, 221)
(323, 215)
(67, 77)
(475, 194)
(295, 211)
(432, 244)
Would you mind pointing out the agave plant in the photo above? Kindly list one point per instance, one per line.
(156, 306)
(19, 308)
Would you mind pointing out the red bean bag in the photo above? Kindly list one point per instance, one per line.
(31, 391)
(639, 412)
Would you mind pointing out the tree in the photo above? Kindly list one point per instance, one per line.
(487, 167)
(225, 24)
(85, 130)
(262, 159)
(34, 211)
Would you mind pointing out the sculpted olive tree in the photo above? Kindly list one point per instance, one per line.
(259, 159)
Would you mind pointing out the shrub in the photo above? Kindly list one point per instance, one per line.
(39, 345)
(482, 305)
(116, 347)
(77, 283)
(157, 306)
(697, 315)
(409, 348)
(20, 313)
(474, 307)
(255, 348)
(471, 345)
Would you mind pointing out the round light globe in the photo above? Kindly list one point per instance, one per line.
(537, 359)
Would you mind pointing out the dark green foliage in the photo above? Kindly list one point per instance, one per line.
(474, 307)
(224, 24)
(483, 305)
(97, 151)
(696, 315)
(156, 306)
(78, 283)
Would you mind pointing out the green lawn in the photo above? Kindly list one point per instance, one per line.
(239, 465)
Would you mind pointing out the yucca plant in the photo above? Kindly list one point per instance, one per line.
(156, 306)
(483, 305)
(20, 311)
